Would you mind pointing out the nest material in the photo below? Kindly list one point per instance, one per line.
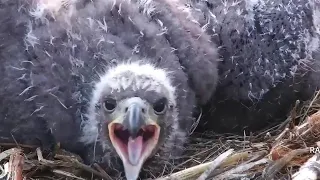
(288, 151)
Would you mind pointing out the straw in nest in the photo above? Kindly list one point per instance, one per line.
(283, 151)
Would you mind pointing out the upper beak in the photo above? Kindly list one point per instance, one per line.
(134, 137)
(134, 119)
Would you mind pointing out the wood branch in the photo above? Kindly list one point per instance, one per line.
(241, 169)
(216, 163)
(273, 168)
(14, 168)
(196, 171)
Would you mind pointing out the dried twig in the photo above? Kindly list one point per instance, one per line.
(241, 169)
(273, 168)
(100, 170)
(8, 153)
(84, 167)
(16, 166)
(311, 103)
(195, 171)
(215, 163)
(13, 168)
(75, 163)
(67, 174)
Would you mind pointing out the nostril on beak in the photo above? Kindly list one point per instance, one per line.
(134, 119)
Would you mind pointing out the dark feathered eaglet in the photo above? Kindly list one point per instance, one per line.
(125, 73)
(119, 79)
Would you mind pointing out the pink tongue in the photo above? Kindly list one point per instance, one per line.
(135, 149)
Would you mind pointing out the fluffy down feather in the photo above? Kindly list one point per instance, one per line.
(54, 53)
(270, 53)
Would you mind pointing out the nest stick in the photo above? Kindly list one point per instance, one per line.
(16, 166)
(271, 170)
(89, 169)
(13, 168)
(241, 169)
(216, 163)
(75, 163)
(195, 171)
(313, 100)
(8, 153)
(100, 170)
(67, 174)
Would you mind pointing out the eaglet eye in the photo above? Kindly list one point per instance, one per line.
(160, 106)
(110, 104)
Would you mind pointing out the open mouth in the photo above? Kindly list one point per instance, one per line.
(134, 149)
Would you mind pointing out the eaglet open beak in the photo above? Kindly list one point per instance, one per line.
(134, 137)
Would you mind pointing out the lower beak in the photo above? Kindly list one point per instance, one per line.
(134, 139)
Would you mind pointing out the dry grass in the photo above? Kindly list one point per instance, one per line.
(280, 152)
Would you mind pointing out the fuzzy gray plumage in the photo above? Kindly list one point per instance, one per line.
(49, 63)
(270, 53)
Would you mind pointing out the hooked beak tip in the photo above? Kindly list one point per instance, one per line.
(132, 172)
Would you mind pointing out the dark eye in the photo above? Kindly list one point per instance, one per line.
(110, 104)
(160, 106)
